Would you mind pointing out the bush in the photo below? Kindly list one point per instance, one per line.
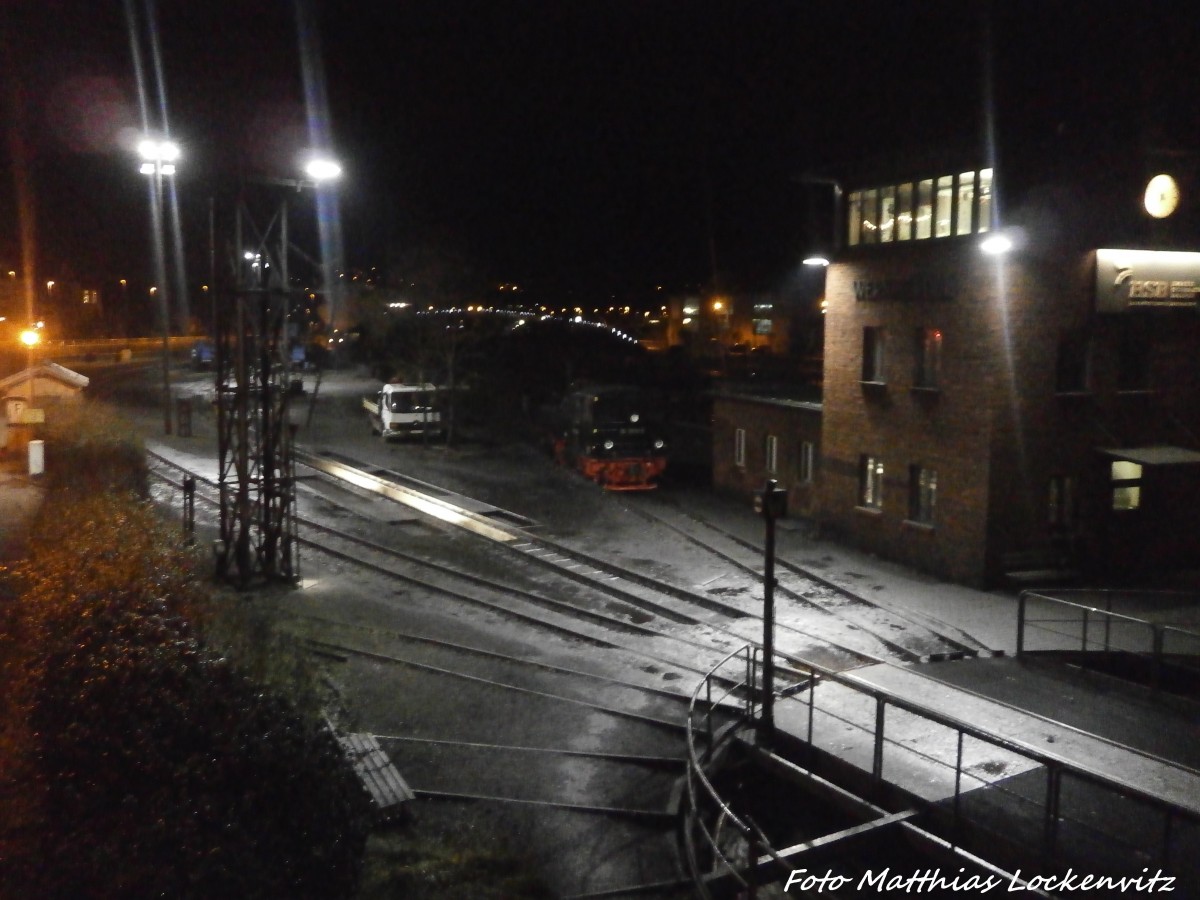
(164, 759)
(90, 447)
(135, 760)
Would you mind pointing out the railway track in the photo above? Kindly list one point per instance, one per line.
(924, 639)
(815, 620)
(578, 597)
(488, 736)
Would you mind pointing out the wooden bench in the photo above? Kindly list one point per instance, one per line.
(388, 790)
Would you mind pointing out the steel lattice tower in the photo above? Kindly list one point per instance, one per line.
(255, 437)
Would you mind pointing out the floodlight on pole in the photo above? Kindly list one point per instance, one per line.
(158, 160)
(322, 168)
(996, 244)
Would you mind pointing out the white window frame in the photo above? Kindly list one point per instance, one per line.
(922, 494)
(1126, 486)
(808, 452)
(772, 454)
(870, 482)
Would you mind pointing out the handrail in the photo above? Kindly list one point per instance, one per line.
(695, 769)
(1157, 632)
(1057, 767)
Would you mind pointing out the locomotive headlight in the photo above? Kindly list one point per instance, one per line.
(634, 417)
(659, 444)
(608, 445)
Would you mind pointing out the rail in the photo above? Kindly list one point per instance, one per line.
(1065, 625)
(1058, 814)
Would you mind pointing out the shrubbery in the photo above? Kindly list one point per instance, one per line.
(135, 760)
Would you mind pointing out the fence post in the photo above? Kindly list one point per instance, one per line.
(1021, 598)
(957, 790)
(812, 699)
(877, 768)
(1107, 621)
(1157, 631)
(1050, 825)
(189, 507)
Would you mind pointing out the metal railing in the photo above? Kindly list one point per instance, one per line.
(701, 799)
(1066, 625)
(108, 345)
(1073, 811)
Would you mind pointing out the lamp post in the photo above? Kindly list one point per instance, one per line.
(158, 160)
(30, 337)
(771, 504)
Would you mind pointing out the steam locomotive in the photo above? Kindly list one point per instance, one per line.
(613, 436)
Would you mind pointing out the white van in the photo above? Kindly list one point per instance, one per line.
(404, 409)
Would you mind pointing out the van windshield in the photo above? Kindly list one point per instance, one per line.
(410, 401)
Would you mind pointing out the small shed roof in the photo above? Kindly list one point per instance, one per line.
(1163, 455)
(44, 370)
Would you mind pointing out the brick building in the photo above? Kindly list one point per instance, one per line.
(984, 414)
(762, 436)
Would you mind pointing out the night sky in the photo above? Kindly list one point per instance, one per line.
(563, 144)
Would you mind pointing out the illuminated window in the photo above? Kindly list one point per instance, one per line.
(739, 448)
(1063, 506)
(904, 216)
(807, 462)
(929, 358)
(873, 361)
(870, 482)
(762, 322)
(870, 217)
(855, 218)
(985, 200)
(772, 454)
(966, 200)
(1126, 485)
(922, 494)
(887, 214)
(924, 211)
(945, 206)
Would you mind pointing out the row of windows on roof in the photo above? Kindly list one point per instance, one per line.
(945, 206)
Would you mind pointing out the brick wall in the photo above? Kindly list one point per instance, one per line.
(997, 428)
(791, 422)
